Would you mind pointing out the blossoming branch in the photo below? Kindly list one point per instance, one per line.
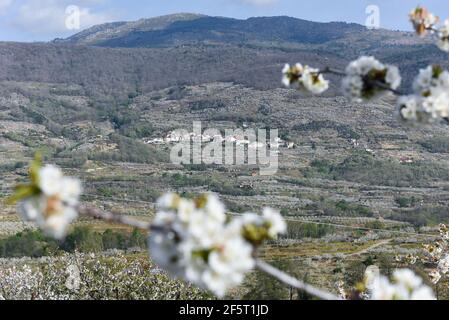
(366, 78)
(425, 22)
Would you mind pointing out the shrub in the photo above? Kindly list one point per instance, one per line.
(437, 145)
(130, 150)
(299, 230)
(364, 168)
(404, 202)
(30, 243)
(343, 130)
(8, 167)
(27, 243)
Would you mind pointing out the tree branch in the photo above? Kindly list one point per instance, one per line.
(332, 71)
(293, 282)
(261, 265)
(375, 83)
(385, 86)
(107, 216)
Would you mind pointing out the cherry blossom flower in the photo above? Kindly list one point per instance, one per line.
(431, 80)
(435, 276)
(437, 254)
(307, 78)
(423, 21)
(291, 74)
(405, 285)
(367, 78)
(430, 102)
(198, 245)
(409, 108)
(193, 239)
(275, 221)
(437, 104)
(443, 264)
(313, 81)
(50, 199)
(443, 36)
(444, 232)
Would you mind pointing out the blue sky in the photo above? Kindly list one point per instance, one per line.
(42, 20)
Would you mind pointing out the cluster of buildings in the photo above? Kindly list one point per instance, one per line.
(238, 140)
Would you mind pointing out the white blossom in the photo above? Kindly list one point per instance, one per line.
(73, 280)
(435, 276)
(409, 107)
(79, 276)
(437, 104)
(352, 87)
(193, 240)
(423, 21)
(215, 208)
(165, 252)
(406, 285)
(407, 278)
(50, 180)
(368, 78)
(307, 78)
(163, 246)
(276, 223)
(382, 289)
(443, 264)
(422, 293)
(393, 77)
(431, 80)
(291, 74)
(186, 209)
(226, 264)
(444, 232)
(431, 100)
(54, 207)
(313, 81)
(168, 201)
(443, 37)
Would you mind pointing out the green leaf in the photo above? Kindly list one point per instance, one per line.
(201, 201)
(22, 192)
(35, 166)
(255, 234)
(202, 254)
(437, 71)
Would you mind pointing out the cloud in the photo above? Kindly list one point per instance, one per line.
(49, 17)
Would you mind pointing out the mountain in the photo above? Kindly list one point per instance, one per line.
(105, 32)
(189, 28)
(121, 58)
(115, 60)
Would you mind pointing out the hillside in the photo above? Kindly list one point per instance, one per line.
(133, 57)
(93, 103)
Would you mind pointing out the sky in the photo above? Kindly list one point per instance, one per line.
(43, 20)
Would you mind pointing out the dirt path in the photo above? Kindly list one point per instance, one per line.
(366, 250)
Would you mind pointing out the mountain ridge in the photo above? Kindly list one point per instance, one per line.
(190, 49)
(189, 27)
(118, 27)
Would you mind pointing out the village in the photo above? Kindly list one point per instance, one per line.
(237, 139)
